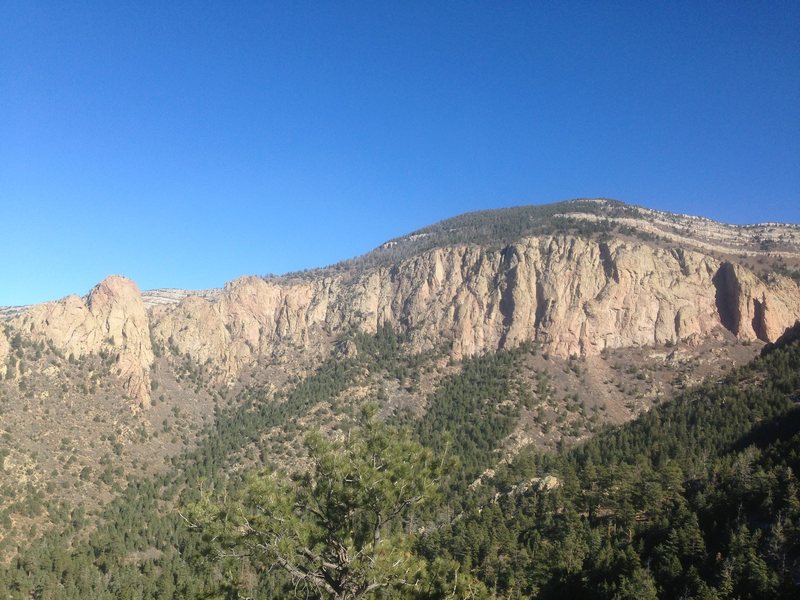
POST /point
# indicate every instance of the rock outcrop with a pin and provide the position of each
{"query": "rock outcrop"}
(571, 294)
(111, 318)
(752, 309)
(790, 336)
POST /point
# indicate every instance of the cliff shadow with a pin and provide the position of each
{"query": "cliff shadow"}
(727, 297)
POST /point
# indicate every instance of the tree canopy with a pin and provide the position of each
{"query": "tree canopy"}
(343, 530)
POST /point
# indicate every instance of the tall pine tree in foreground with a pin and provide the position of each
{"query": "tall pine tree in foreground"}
(344, 530)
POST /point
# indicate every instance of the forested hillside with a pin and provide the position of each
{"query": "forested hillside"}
(497, 228)
(696, 498)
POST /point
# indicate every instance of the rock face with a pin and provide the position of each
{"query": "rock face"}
(572, 294)
(112, 318)
(752, 309)
(790, 336)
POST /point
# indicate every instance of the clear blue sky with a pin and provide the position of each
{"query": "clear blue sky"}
(184, 144)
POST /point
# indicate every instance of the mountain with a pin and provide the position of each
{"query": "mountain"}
(505, 332)
(576, 278)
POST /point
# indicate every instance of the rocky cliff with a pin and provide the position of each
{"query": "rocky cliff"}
(574, 294)
(110, 318)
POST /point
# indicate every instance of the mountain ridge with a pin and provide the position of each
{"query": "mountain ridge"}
(537, 343)
(561, 208)
(599, 274)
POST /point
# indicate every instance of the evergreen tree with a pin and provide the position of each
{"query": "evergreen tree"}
(345, 529)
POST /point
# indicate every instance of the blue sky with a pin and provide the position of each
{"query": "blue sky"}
(184, 144)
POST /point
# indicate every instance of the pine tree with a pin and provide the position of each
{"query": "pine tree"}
(343, 530)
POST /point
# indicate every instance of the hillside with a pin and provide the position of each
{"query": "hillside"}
(592, 217)
(529, 329)
(697, 497)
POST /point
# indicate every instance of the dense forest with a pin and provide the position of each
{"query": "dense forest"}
(697, 498)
